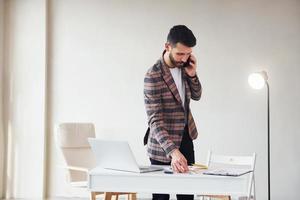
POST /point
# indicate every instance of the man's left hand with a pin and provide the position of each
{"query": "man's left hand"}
(191, 69)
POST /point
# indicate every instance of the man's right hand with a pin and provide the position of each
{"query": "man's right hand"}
(179, 163)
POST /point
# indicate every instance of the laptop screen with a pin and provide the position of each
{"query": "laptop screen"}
(115, 155)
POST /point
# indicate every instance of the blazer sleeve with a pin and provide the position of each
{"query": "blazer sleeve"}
(195, 86)
(153, 103)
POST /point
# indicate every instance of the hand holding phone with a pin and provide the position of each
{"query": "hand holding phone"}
(188, 62)
(190, 66)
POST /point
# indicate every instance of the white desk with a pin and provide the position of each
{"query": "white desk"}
(159, 182)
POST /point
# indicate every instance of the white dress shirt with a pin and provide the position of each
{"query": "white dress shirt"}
(177, 77)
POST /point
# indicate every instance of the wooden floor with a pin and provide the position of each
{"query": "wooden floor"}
(99, 198)
(59, 198)
(147, 197)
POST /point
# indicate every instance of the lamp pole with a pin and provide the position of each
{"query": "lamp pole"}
(268, 110)
(257, 80)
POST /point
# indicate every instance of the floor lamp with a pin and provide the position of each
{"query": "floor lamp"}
(257, 81)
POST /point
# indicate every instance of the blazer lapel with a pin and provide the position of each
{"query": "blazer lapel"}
(167, 76)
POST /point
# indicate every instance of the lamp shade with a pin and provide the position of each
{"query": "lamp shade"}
(257, 80)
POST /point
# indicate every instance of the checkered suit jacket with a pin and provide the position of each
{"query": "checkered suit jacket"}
(166, 115)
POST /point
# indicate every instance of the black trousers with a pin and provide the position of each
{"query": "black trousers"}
(187, 149)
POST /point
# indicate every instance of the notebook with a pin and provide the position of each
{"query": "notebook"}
(117, 155)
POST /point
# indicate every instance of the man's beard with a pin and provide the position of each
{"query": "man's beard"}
(174, 62)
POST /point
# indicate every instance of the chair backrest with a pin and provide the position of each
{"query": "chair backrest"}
(240, 161)
(248, 162)
(72, 139)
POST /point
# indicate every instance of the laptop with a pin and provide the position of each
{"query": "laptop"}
(117, 155)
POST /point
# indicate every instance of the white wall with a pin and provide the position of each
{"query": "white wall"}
(1, 88)
(24, 101)
(100, 51)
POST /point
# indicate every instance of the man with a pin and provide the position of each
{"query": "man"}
(168, 87)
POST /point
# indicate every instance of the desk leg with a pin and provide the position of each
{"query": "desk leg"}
(93, 196)
(132, 196)
(107, 196)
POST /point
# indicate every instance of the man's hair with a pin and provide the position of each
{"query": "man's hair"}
(181, 34)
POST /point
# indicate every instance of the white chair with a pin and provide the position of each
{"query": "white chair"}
(248, 162)
(72, 139)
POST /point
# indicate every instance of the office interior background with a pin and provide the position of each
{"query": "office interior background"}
(84, 61)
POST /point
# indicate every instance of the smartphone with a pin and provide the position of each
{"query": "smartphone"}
(168, 170)
(187, 63)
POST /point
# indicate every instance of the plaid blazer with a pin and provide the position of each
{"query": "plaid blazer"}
(166, 115)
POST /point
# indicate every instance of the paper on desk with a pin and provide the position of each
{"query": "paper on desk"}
(227, 172)
(195, 170)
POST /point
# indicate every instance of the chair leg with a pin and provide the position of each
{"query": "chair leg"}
(254, 195)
